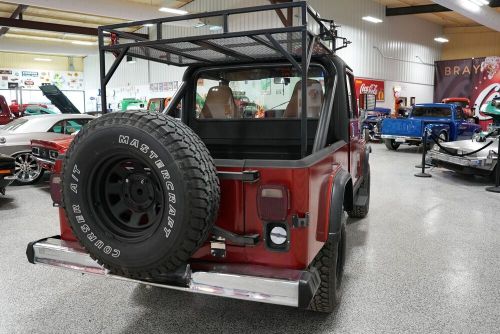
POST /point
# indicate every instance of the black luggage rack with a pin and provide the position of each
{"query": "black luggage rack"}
(303, 35)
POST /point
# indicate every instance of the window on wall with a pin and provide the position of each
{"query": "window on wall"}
(258, 93)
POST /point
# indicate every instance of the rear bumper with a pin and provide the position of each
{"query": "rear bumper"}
(402, 139)
(467, 165)
(247, 282)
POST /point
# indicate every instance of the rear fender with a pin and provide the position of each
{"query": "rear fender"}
(339, 198)
(437, 129)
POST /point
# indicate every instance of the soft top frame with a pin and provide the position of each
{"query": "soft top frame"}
(296, 42)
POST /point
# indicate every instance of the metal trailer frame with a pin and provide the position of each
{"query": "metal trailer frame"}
(311, 43)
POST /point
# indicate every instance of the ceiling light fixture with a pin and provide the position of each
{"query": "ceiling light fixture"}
(148, 25)
(199, 25)
(215, 28)
(172, 11)
(82, 43)
(42, 59)
(372, 19)
(441, 40)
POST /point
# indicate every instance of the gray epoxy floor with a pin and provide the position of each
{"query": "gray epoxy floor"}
(426, 260)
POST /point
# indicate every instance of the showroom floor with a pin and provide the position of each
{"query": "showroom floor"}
(425, 260)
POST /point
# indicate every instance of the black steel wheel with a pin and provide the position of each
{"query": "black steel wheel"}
(127, 197)
(141, 192)
(27, 170)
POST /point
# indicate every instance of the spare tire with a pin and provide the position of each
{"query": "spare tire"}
(141, 192)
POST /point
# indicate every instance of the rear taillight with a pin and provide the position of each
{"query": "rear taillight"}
(273, 203)
(55, 189)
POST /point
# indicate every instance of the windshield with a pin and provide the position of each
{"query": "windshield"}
(258, 93)
(431, 112)
(15, 125)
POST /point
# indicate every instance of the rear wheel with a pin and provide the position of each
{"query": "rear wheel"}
(27, 170)
(330, 264)
(141, 192)
(391, 144)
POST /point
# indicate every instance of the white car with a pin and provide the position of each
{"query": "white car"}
(15, 139)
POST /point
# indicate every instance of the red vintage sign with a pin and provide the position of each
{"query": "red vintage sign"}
(367, 86)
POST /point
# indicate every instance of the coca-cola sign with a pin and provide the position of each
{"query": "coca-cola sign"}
(367, 86)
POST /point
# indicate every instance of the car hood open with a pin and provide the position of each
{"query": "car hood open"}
(58, 99)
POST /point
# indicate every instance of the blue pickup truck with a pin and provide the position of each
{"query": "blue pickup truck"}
(446, 121)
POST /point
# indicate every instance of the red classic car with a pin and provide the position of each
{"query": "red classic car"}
(47, 151)
(18, 109)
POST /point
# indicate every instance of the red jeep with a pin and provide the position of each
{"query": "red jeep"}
(217, 202)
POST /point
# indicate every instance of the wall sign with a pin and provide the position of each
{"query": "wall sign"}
(477, 79)
(368, 86)
(65, 80)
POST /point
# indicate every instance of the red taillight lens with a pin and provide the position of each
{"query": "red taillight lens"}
(272, 202)
(55, 189)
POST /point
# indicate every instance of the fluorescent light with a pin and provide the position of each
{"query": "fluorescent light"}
(213, 28)
(441, 40)
(372, 19)
(480, 2)
(82, 43)
(148, 25)
(199, 25)
(172, 11)
(42, 59)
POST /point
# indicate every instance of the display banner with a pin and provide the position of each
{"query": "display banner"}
(477, 79)
(368, 86)
(64, 80)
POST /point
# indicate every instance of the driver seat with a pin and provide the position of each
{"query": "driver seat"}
(219, 104)
(315, 97)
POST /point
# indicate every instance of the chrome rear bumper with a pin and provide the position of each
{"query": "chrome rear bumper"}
(248, 282)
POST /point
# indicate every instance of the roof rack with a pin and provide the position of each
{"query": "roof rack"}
(192, 40)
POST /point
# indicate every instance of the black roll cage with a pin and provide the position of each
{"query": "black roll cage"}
(317, 37)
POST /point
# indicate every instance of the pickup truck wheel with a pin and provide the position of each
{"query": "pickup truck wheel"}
(360, 211)
(330, 263)
(141, 192)
(391, 144)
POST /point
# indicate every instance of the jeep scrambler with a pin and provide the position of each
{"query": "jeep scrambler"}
(240, 205)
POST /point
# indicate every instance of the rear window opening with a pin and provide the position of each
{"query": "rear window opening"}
(431, 112)
(254, 113)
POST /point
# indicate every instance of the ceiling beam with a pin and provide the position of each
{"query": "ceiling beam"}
(62, 28)
(425, 9)
(18, 12)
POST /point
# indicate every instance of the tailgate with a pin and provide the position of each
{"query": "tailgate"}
(402, 127)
